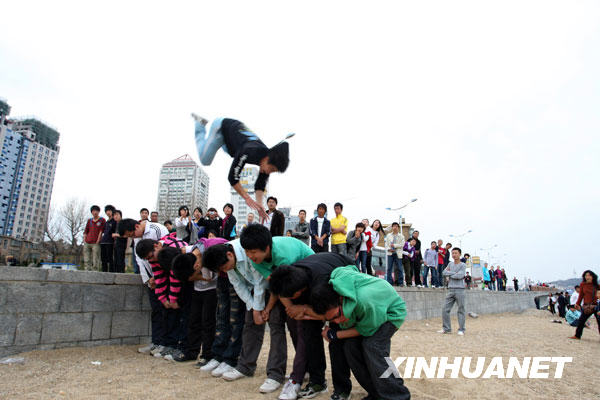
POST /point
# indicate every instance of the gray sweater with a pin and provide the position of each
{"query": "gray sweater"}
(456, 273)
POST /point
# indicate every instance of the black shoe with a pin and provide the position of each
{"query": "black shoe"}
(178, 356)
(339, 396)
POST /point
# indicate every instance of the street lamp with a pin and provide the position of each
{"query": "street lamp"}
(488, 250)
(459, 237)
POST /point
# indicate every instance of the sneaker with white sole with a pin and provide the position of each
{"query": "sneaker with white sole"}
(147, 349)
(221, 369)
(269, 385)
(178, 356)
(233, 375)
(443, 331)
(212, 364)
(165, 351)
(290, 390)
(340, 396)
(460, 333)
(157, 350)
(312, 390)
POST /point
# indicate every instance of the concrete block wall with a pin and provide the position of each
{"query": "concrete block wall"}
(47, 309)
(428, 303)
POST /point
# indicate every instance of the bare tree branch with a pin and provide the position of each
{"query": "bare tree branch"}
(53, 233)
(74, 218)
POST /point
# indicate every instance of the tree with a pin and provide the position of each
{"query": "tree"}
(53, 233)
(74, 217)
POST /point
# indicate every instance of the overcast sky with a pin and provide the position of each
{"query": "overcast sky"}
(488, 114)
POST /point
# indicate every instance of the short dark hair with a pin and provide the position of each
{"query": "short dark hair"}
(185, 208)
(467, 255)
(166, 256)
(118, 212)
(304, 211)
(576, 286)
(227, 205)
(323, 298)
(289, 231)
(359, 225)
(144, 248)
(126, 225)
(167, 222)
(323, 206)
(183, 266)
(199, 210)
(396, 224)
(279, 156)
(434, 242)
(256, 236)
(213, 232)
(212, 209)
(338, 204)
(94, 208)
(415, 231)
(144, 209)
(154, 212)
(272, 198)
(216, 256)
(449, 244)
(109, 208)
(287, 280)
(458, 249)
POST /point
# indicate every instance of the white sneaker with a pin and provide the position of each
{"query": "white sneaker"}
(289, 391)
(212, 364)
(443, 331)
(157, 350)
(221, 369)
(460, 333)
(147, 349)
(269, 386)
(233, 375)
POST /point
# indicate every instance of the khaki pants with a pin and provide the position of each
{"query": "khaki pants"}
(91, 256)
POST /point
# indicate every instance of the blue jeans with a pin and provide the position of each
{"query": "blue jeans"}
(208, 146)
(440, 269)
(361, 261)
(434, 276)
(230, 322)
(394, 265)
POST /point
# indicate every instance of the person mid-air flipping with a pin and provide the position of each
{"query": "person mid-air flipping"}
(246, 148)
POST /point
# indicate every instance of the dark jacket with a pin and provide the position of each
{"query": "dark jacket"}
(212, 225)
(314, 231)
(229, 227)
(277, 223)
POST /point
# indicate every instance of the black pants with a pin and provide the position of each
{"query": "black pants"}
(582, 320)
(315, 351)
(416, 270)
(202, 323)
(157, 318)
(369, 260)
(119, 261)
(340, 369)
(107, 257)
(319, 249)
(366, 357)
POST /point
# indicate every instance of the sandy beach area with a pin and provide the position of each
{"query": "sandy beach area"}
(126, 374)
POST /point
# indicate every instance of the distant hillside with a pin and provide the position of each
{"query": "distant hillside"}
(567, 284)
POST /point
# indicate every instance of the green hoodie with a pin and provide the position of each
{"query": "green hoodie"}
(285, 251)
(368, 302)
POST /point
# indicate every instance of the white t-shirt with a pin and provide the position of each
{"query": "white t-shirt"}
(267, 222)
(320, 222)
(574, 298)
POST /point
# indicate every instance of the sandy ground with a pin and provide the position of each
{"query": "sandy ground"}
(126, 374)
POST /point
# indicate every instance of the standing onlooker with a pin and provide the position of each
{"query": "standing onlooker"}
(418, 258)
(431, 263)
(144, 213)
(365, 249)
(468, 280)
(249, 221)
(302, 229)
(183, 224)
(91, 239)
(516, 284)
(504, 279)
(154, 216)
(456, 293)
(339, 226)
(493, 278)
(107, 243)
(120, 245)
(169, 225)
(143, 217)
(394, 244)
(212, 223)
(320, 229)
(486, 276)
(575, 295)
(197, 226)
(499, 279)
(408, 256)
(441, 259)
(354, 240)
(377, 239)
(587, 302)
(562, 305)
(229, 223)
(275, 220)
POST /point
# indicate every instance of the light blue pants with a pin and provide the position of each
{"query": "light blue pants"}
(208, 146)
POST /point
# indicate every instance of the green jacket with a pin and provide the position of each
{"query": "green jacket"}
(368, 302)
(285, 251)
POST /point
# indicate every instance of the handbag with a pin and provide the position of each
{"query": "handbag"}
(588, 309)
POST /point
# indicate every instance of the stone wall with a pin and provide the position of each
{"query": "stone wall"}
(47, 309)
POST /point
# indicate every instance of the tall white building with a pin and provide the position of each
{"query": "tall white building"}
(182, 182)
(248, 178)
(27, 168)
